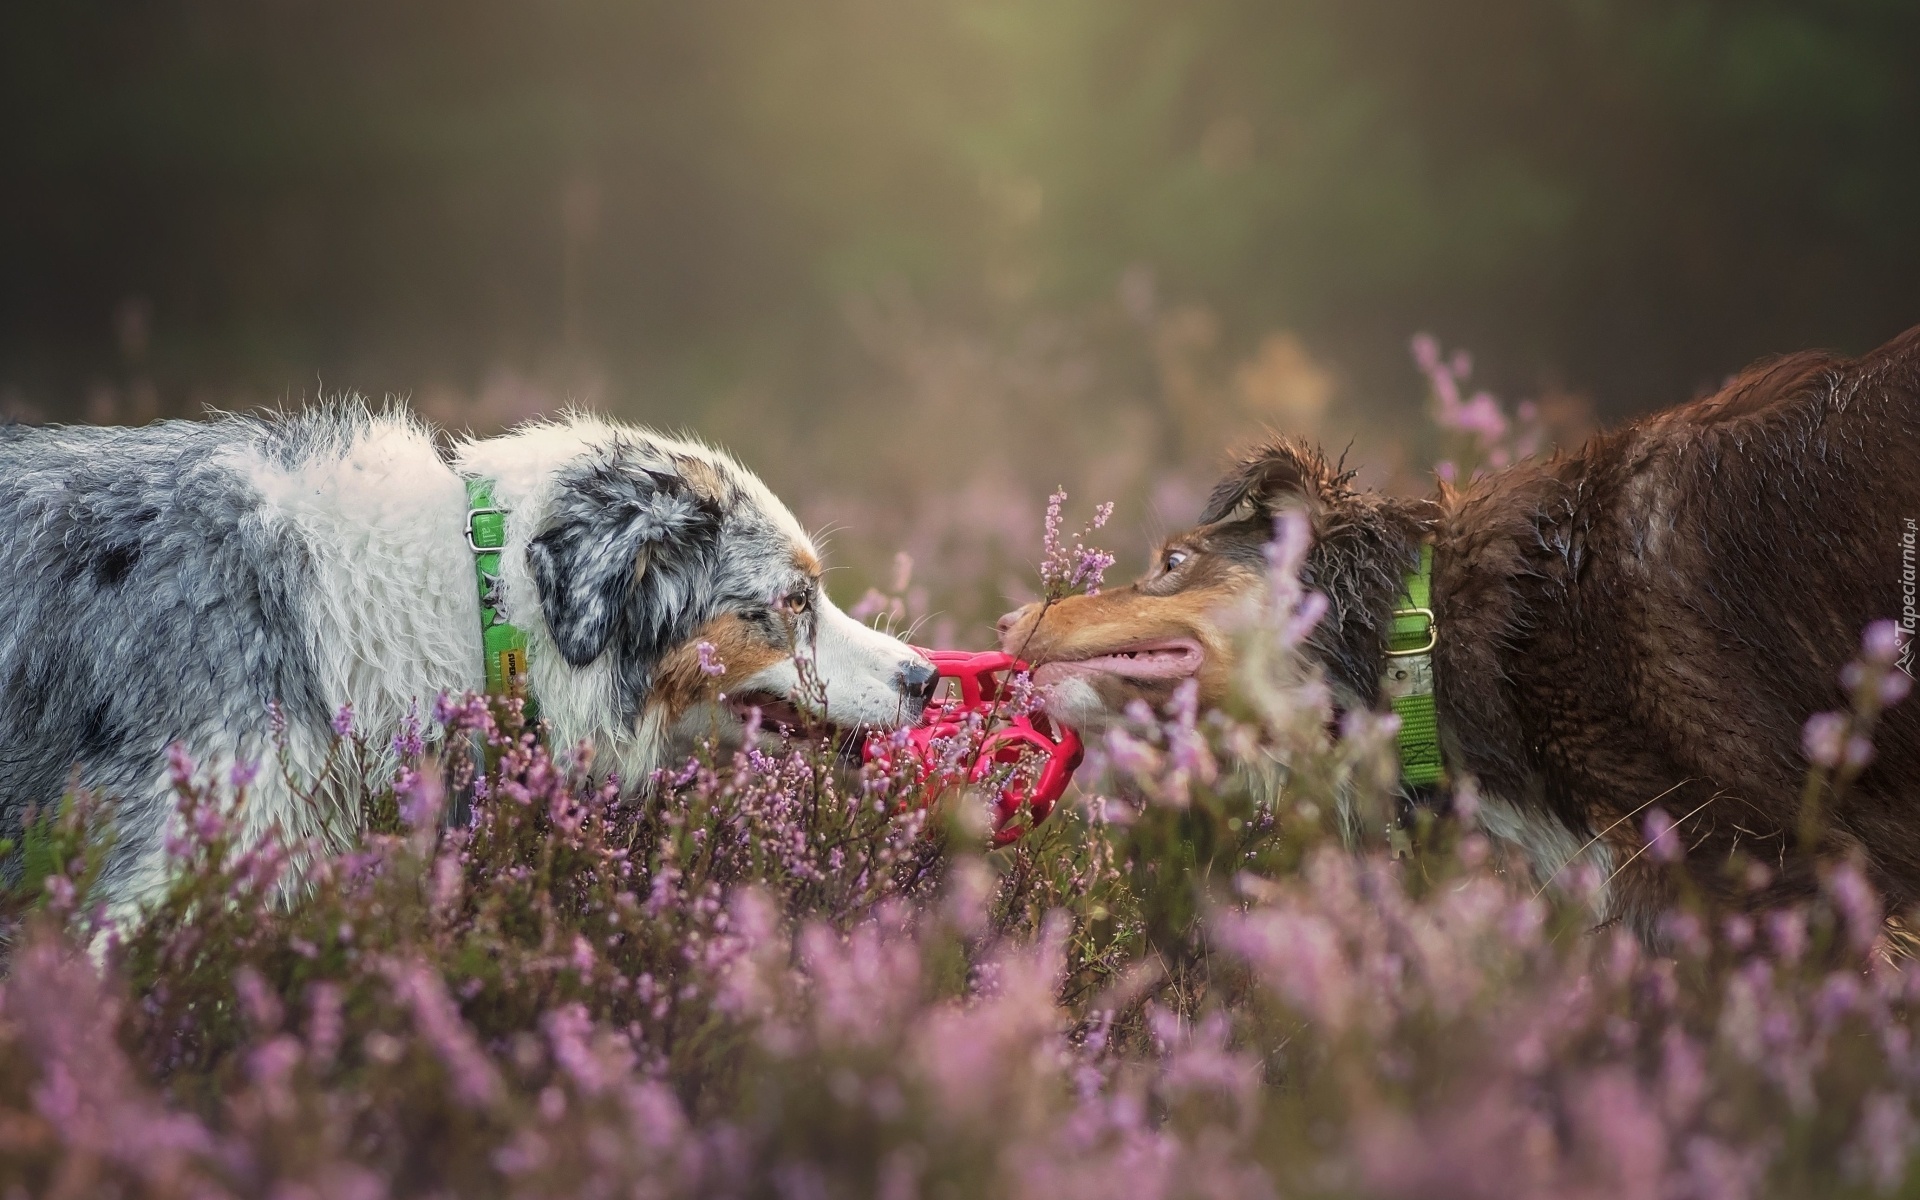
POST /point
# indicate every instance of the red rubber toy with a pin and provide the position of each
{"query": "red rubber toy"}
(983, 690)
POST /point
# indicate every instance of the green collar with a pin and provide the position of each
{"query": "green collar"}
(505, 643)
(1408, 681)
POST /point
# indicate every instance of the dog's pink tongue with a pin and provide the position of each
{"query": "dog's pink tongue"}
(1170, 660)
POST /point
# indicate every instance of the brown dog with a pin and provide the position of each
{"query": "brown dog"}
(1654, 615)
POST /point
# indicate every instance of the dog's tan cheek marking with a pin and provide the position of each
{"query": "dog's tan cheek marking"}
(806, 562)
(680, 683)
(1199, 610)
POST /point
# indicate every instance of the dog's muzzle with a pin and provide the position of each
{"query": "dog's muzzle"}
(918, 681)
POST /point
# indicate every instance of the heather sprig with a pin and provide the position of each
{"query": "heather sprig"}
(1482, 434)
(1839, 745)
(1068, 566)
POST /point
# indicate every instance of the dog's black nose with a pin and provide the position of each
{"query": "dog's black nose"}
(919, 681)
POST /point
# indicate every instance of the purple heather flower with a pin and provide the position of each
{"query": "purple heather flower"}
(1683, 1075)
(408, 742)
(1299, 954)
(1063, 568)
(1894, 687)
(1426, 352)
(1880, 643)
(1685, 932)
(243, 772)
(1292, 536)
(596, 1062)
(1050, 535)
(1857, 902)
(1305, 618)
(343, 721)
(710, 663)
(1498, 439)
(1824, 738)
(1663, 837)
(270, 1066)
(448, 883)
(524, 1153)
(1884, 1144)
(1859, 752)
(1787, 931)
(476, 1082)
(180, 766)
(1129, 756)
(865, 609)
(1480, 416)
(1716, 1171)
(257, 1000)
(1624, 1129)
(1838, 998)
(61, 1019)
(421, 797)
(1090, 569)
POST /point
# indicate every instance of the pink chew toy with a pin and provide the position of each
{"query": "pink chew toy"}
(983, 691)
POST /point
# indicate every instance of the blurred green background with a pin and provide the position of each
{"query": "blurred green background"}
(920, 260)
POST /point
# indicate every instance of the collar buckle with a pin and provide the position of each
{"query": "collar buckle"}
(1433, 632)
(474, 514)
(1407, 683)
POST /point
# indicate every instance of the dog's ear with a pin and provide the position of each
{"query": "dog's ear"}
(1278, 474)
(624, 544)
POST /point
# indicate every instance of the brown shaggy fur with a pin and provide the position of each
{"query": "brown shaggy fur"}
(1655, 614)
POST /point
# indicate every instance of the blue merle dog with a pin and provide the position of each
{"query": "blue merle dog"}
(172, 584)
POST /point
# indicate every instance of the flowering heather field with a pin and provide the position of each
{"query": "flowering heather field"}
(784, 977)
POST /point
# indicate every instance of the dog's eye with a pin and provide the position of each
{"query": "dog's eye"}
(798, 601)
(1173, 559)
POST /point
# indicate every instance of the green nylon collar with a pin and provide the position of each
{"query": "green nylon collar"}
(1408, 681)
(505, 643)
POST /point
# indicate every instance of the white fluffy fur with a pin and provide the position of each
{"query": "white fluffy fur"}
(395, 618)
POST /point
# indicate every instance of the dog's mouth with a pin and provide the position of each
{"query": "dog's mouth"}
(1169, 658)
(775, 712)
(781, 717)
